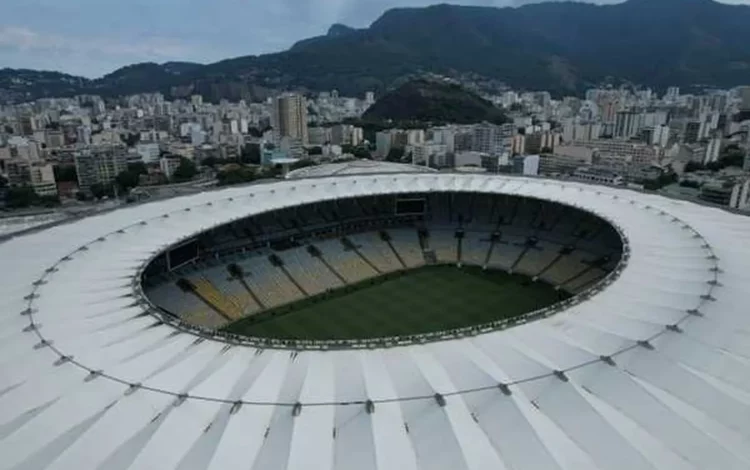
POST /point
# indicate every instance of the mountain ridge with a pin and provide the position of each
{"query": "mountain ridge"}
(563, 47)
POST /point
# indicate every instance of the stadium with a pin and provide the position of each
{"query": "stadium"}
(370, 317)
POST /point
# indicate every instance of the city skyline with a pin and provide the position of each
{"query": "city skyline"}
(97, 38)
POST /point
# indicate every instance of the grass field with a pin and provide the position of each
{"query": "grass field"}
(427, 299)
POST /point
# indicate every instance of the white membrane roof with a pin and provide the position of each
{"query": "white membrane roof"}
(357, 167)
(651, 372)
(11, 225)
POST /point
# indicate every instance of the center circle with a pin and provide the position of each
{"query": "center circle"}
(405, 266)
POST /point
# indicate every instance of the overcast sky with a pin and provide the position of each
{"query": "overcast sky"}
(94, 37)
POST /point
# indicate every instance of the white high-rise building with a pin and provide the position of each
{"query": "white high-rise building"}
(148, 151)
(23, 149)
(319, 135)
(290, 117)
(492, 139)
(709, 122)
(627, 124)
(446, 136)
(656, 118)
(358, 136)
(673, 94)
(509, 98)
(292, 147)
(531, 165)
(197, 136)
(660, 136)
(43, 179)
(712, 151)
(424, 154)
(575, 131)
(524, 121)
(415, 136)
(169, 165)
(84, 135)
(345, 134)
(100, 164)
(383, 143)
(744, 96)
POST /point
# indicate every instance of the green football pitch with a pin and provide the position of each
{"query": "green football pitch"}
(423, 300)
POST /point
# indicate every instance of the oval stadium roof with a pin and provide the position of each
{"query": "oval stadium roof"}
(356, 167)
(650, 372)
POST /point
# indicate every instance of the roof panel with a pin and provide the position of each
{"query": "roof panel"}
(681, 405)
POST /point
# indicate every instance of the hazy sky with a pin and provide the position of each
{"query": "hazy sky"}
(94, 37)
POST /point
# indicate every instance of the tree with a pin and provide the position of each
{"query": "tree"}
(732, 156)
(130, 139)
(66, 173)
(209, 162)
(126, 180)
(3, 182)
(48, 201)
(100, 190)
(690, 184)
(235, 175)
(23, 196)
(139, 168)
(250, 154)
(361, 152)
(271, 171)
(130, 178)
(185, 171)
(315, 150)
(395, 155)
(546, 150)
(664, 179)
(301, 164)
(8, 129)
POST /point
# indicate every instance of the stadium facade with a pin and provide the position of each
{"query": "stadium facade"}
(650, 369)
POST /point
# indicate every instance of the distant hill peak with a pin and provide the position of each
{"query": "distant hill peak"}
(425, 101)
(339, 29)
(669, 2)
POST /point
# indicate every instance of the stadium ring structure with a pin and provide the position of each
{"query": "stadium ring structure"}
(649, 369)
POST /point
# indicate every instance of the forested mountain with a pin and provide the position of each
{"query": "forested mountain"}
(429, 101)
(557, 46)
